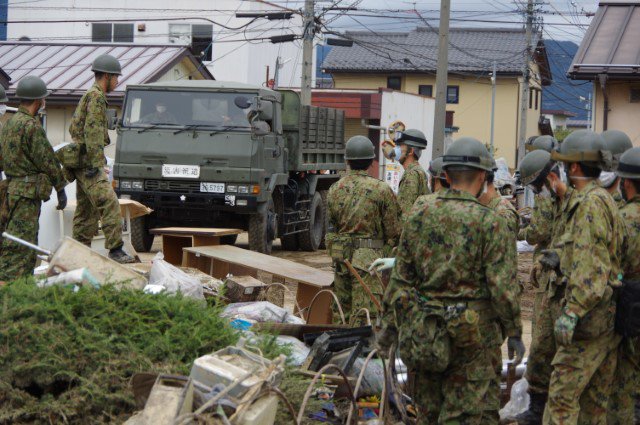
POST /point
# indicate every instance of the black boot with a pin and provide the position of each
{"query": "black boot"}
(118, 255)
(533, 416)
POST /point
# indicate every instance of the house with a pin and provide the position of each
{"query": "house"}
(233, 49)
(66, 69)
(4, 79)
(558, 117)
(609, 55)
(406, 61)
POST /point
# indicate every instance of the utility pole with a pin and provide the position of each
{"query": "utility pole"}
(493, 101)
(441, 79)
(589, 112)
(308, 24)
(524, 95)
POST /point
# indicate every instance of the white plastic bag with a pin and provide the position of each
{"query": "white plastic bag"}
(299, 351)
(260, 311)
(173, 279)
(519, 401)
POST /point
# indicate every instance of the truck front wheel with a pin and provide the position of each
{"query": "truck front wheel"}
(311, 239)
(141, 239)
(262, 229)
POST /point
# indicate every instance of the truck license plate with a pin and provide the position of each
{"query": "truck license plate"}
(212, 187)
(184, 171)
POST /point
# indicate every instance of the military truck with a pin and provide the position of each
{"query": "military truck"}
(223, 154)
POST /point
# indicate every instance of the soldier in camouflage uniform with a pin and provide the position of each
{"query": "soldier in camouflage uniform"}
(437, 179)
(96, 198)
(617, 142)
(540, 173)
(409, 146)
(587, 258)
(445, 307)
(491, 198)
(624, 394)
(363, 223)
(32, 170)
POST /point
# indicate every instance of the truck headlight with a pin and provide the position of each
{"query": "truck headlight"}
(232, 188)
(137, 185)
(243, 189)
(241, 202)
(125, 184)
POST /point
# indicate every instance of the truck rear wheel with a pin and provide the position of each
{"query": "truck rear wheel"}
(310, 239)
(324, 194)
(141, 239)
(262, 229)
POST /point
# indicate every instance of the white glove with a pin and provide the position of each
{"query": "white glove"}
(382, 264)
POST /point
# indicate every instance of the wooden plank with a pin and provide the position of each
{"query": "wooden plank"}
(172, 247)
(280, 267)
(194, 231)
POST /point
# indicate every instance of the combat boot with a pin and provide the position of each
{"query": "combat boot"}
(533, 416)
(118, 255)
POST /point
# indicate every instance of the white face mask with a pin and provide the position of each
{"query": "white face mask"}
(161, 109)
(545, 193)
(3, 109)
(562, 174)
(607, 178)
(397, 153)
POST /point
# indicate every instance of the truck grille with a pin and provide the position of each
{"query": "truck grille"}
(172, 186)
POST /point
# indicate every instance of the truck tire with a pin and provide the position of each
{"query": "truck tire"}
(310, 239)
(141, 239)
(324, 194)
(289, 242)
(262, 229)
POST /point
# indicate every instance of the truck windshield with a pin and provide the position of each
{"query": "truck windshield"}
(172, 109)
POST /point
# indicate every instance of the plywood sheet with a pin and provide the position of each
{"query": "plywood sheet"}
(194, 231)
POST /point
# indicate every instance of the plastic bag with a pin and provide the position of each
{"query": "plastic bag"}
(518, 402)
(299, 351)
(173, 279)
(260, 311)
(502, 176)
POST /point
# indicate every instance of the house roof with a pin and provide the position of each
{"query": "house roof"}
(66, 68)
(470, 50)
(610, 45)
(578, 123)
(5, 79)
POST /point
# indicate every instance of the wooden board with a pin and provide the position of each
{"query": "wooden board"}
(194, 231)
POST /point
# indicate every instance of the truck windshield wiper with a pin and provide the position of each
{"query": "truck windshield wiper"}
(228, 127)
(152, 126)
(192, 126)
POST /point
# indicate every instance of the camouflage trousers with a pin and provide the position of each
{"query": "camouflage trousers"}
(16, 260)
(96, 202)
(352, 296)
(468, 392)
(626, 383)
(581, 381)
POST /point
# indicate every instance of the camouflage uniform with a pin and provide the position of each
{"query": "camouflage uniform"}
(32, 170)
(619, 200)
(364, 215)
(96, 199)
(412, 184)
(506, 210)
(448, 240)
(583, 370)
(627, 378)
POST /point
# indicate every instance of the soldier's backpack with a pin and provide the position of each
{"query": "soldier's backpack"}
(628, 309)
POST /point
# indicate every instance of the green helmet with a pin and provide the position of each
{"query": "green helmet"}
(412, 137)
(617, 142)
(467, 152)
(31, 88)
(3, 95)
(583, 146)
(547, 143)
(629, 164)
(107, 64)
(359, 147)
(435, 167)
(535, 166)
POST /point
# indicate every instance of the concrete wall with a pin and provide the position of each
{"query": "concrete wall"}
(236, 57)
(623, 115)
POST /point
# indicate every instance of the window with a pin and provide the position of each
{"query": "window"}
(453, 94)
(425, 90)
(634, 95)
(108, 33)
(199, 37)
(394, 83)
(536, 104)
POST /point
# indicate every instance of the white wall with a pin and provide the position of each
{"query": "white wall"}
(234, 58)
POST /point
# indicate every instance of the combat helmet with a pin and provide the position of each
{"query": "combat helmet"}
(107, 64)
(359, 147)
(3, 95)
(629, 164)
(617, 142)
(535, 167)
(584, 146)
(435, 167)
(31, 88)
(547, 143)
(467, 152)
(412, 138)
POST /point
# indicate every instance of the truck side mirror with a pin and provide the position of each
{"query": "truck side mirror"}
(260, 128)
(242, 102)
(112, 119)
(265, 110)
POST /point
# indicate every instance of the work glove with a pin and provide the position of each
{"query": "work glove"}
(91, 172)
(515, 346)
(536, 270)
(382, 264)
(565, 326)
(550, 260)
(62, 199)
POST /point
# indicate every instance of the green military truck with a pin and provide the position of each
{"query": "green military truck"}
(220, 154)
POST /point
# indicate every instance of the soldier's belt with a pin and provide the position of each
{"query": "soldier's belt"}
(368, 243)
(460, 305)
(33, 178)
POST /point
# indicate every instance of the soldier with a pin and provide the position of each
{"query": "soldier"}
(363, 214)
(627, 377)
(409, 146)
(539, 172)
(96, 198)
(445, 305)
(32, 170)
(587, 255)
(491, 198)
(437, 181)
(546, 143)
(617, 142)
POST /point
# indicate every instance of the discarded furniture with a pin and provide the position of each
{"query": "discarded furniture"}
(240, 289)
(174, 239)
(170, 398)
(218, 261)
